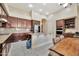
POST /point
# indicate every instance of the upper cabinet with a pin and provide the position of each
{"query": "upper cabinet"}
(28, 24)
(60, 23)
(70, 23)
(19, 23)
(23, 23)
(66, 23)
(14, 22)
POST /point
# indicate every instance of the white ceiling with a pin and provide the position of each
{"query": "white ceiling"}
(49, 7)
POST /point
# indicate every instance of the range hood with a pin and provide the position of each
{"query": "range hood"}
(3, 20)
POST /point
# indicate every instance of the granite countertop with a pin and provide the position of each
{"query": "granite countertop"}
(6, 32)
(3, 37)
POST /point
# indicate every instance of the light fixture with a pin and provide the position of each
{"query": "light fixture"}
(65, 5)
(30, 5)
(3, 20)
(40, 10)
(47, 13)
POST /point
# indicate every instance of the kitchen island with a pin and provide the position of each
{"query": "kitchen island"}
(7, 39)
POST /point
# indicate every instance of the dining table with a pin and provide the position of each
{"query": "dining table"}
(67, 47)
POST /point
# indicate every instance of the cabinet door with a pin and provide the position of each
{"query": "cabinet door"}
(60, 23)
(0, 10)
(28, 24)
(22, 23)
(25, 24)
(13, 22)
(19, 23)
(8, 25)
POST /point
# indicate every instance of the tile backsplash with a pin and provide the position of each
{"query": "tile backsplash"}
(13, 30)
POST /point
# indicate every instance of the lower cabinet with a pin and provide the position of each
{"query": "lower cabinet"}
(6, 48)
(20, 36)
(0, 49)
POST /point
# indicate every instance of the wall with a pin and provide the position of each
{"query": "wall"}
(77, 20)
(51, 26)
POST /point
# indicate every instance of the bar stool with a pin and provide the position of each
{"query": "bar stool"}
(56, 40)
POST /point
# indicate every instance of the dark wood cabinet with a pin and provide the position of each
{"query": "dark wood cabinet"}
(22, 23)
(15, 37)
(25, 24)
(67, 23)
(70, 23)
(28, 24)
(19, 23)
(60, 23)
(13, 22)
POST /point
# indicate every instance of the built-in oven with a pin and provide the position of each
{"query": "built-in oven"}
(59, 31)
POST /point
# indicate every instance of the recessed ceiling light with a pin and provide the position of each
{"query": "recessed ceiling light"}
(47, 13)
(40, 10)
(30, 5)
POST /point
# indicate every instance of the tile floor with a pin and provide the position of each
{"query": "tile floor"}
(19, 48)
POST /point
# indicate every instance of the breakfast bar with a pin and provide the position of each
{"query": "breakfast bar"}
(7, 39)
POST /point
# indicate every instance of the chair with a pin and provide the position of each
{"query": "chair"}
(56, 40)
(61, 37)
